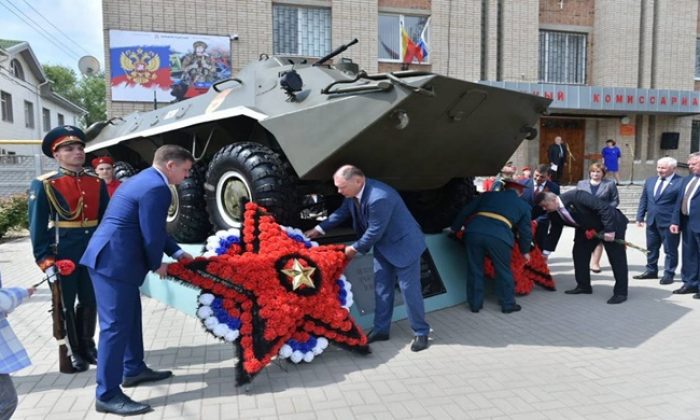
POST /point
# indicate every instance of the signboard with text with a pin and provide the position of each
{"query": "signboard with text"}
(610, 99)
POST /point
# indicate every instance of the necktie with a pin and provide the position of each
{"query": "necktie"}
(688, 193)
(561, 152)
(538, 189)
(566, 216)
(659, 187)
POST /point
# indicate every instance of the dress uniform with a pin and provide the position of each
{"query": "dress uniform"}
(488, 231)
(64, 210)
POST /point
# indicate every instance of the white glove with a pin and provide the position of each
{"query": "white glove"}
(51, 273)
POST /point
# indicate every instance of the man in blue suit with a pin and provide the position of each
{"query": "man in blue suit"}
(128, 243)
(659, 197)
(488, 223)
(384, 223)
(686, 218)
(539, 183)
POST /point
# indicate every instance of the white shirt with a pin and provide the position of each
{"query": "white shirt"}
(179, 252)
(359, 199)
(666, 182)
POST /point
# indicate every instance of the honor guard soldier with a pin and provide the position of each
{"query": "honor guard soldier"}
(65, 207)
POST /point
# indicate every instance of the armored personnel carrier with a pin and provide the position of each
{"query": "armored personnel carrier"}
(277, 131)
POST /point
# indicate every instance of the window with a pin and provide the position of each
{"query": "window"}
(28, 114)
(562, 57)
(403, 38)
(6, 100)
(301, 30)
(695, 137)
(46, 117)
(697, 58)
(61, 120)
(17, 69)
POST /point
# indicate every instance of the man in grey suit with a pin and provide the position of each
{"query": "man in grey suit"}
(383, 222)
(659, 197)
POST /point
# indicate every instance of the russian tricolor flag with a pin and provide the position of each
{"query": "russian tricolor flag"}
(147, 66)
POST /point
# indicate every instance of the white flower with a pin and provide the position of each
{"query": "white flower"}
(322, 342)
(231, 335)
(204, 312)
(317, 350)
(206, 299)
(220, 330)
(309, 357)
(234, 232)
(285, 351)
(211, 322)
(297, 356)
(210, 254)
(222, 234)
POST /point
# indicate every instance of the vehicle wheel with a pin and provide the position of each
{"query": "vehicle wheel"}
(436, 209)
(244, 172)
(187, 219)
(123, 170)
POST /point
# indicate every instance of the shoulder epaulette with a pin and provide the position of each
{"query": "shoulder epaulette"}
(47, 175)
(90, 174)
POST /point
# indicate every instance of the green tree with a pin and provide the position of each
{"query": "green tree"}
(88, 92)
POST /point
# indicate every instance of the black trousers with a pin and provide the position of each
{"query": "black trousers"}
(617, 254)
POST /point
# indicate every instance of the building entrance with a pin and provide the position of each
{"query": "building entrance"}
(573, 134)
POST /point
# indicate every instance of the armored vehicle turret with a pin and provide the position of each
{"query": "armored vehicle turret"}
(277, 131)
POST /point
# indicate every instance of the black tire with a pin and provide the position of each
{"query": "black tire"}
(123, 170)
(188, 220)
(252, 172)
(436, 209)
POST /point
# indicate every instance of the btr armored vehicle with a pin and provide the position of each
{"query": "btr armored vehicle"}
(276, 133)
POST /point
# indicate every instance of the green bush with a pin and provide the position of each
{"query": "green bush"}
(13, 213)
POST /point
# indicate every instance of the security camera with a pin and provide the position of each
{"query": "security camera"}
(234, 37)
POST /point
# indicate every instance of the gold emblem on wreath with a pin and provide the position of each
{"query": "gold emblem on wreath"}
(140, 66)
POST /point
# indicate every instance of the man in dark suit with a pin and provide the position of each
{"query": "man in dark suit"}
(584, 211)
(538, 184)
(686, 219)
(658, 200)
(385, 225)
(488, 223)
(128, 243)
(557, 154)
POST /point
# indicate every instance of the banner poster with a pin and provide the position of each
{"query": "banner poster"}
(173, 66)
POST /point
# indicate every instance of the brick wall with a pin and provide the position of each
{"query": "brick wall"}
(573, 12)
(520, 40)
(616, 43)
(458, 53)
(357, 19)
(675, 64)
(405, 4)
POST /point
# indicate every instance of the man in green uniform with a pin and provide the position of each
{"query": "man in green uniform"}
(65, 207)
(488, 223)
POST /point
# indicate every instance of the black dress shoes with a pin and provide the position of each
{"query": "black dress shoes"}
(420, 342)
(513, 308)
(579, 291)
(666, 279)
(617, 299)
(475, 309)
(147, 375)
(685, 290)
(373, 336)
(646, 275)
(122, 405)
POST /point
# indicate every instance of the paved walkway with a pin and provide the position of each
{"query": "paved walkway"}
(562, 357)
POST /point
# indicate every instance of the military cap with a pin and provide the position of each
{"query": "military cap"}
(102, 159)
(60, 136)
(199, 44)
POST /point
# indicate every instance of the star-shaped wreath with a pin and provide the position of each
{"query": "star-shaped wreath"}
(272, 292)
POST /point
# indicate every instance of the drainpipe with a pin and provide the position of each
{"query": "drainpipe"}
(39, 125)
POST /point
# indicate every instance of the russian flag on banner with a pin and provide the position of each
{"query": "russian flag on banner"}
(422, 42)
(147, 66)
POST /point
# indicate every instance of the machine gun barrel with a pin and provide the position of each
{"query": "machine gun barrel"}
(335, 52)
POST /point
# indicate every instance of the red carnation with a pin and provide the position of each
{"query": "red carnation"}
(591, 233)
(65, 267)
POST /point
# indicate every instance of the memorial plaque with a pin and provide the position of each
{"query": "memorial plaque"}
(360, 273)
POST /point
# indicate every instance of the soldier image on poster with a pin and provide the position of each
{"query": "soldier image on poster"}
(198, 66)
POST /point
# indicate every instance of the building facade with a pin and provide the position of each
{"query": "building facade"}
(616, 69)
(29, 107)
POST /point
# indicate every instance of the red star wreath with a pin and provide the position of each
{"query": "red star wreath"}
(273, 293)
